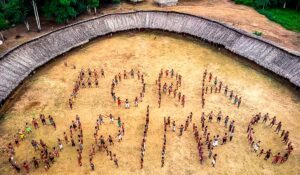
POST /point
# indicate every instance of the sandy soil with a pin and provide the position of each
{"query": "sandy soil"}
(48, 91)
(225, 11)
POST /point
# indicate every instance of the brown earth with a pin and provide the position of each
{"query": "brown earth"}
(226, 11)
(48, 91)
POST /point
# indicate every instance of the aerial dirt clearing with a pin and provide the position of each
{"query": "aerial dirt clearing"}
(48, 91)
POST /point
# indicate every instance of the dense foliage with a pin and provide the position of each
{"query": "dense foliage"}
(283, 12)
(60, 10)
(12, 12)
(291, 4)
(17, 11)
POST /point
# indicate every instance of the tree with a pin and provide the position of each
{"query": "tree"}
(60, 10)
(261, 3)
(284, 4)
(15, 11)
(80, 6)
(3, 22)
(93, 4)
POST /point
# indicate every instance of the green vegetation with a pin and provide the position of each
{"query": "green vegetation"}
(290, 19)
(283, 12)
(3, 22)
(17, 11)
(257, 33)
(94, 4)
(244, 2)
(60, 10)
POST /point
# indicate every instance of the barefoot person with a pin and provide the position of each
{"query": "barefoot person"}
(116, 161)
(214, 160)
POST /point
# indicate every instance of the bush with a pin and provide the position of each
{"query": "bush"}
(257, 33)
(3, 22)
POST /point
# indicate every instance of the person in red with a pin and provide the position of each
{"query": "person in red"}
(167, 73)
(203, 102)
(79, 158)
(277, 158)
(26, 166)
(159, 103)
(204, 74)
(119, 102)
(66, 138)
(210, 77)
(35, 123)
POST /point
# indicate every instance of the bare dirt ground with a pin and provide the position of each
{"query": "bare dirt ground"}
(226, 11)
(48, 91)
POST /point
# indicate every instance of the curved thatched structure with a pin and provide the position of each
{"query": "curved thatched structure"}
(19, 62)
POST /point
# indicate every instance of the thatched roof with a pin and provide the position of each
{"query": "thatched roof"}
(19, 62)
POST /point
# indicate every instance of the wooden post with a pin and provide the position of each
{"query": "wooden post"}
(36, 14)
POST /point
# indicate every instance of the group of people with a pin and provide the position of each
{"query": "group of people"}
(143, 145)
(284, 135)
(120, 124)
(213, 142)
(216, 87)
(163, 151)
(207, 140)
(169, 89)
(75, 128)
(101, 141)
(118, 78)
(28, 129)
(46, 156)
(84, 80)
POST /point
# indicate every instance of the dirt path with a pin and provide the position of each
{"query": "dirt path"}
(241, 17)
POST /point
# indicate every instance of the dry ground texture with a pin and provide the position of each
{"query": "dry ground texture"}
(48, 91)
(226, 11)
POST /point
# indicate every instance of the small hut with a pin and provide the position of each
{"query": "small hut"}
(166, 2)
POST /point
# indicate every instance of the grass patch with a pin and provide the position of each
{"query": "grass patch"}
(289, 19)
